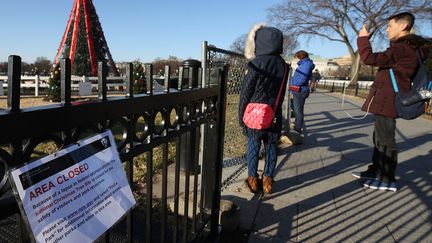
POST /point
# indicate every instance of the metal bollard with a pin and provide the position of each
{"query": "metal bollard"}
(189, 140)
(190, 75)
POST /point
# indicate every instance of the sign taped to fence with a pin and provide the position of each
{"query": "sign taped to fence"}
(76, 194)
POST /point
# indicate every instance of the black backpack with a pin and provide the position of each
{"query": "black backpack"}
(411, 104)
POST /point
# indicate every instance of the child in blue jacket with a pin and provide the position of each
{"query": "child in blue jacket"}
(300, 87)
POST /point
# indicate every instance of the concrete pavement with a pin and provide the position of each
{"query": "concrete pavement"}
(316, 199)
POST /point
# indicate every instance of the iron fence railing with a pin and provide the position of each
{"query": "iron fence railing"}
(237, 67)
(236, 61)
(39, 85)
(146, 127)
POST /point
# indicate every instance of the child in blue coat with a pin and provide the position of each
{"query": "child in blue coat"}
(300, 87)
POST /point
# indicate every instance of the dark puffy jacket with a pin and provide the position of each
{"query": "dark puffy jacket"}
(401, 56)
(303, 74)
(316, 76)
(264, 78)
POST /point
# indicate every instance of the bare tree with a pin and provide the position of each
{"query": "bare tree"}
(26, 69)
(340, 73)
(42, 65)
(239, 44)
(172, 61)
(289, 44)
(340, 20)
(3, 68)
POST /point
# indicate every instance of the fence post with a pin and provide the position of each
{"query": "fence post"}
(167, 79)
(37, 81)
(66, 91)
(14, 83)
(213, 151)
(221, 117)
(65, 83)
(356, 89)
(332, 88)
(180, 79)
(102, 81)
(129, 80)
(149, 78)
(199, 84)
(202, 143)
(286, 112)
(204, 65)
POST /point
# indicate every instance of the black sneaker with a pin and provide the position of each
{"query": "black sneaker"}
(298, 130)
(365, 175)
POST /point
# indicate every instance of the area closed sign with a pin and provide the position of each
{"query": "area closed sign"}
(76, 194)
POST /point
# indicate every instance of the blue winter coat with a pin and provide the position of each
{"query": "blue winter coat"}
(264, 79)
(302, 74)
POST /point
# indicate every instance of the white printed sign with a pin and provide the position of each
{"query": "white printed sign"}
(76, 194)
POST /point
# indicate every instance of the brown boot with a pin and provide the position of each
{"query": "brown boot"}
(253, 183)
(267, 184)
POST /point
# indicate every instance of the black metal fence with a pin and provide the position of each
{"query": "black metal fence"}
(236, 61)
(143, 125)
(236, 141)
(359, 90)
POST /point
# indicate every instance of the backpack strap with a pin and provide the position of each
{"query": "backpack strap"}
(419, 57)
(422, 62)
(392, 76)
(395, 87)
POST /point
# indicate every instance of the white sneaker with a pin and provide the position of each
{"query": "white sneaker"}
(380, 185)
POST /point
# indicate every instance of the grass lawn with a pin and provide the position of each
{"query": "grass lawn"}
(235, 140)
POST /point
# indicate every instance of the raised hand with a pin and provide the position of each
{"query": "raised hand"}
(363, 31)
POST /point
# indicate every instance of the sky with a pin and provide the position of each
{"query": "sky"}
(145, 30)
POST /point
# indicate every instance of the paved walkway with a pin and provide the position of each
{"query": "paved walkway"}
(316, 199)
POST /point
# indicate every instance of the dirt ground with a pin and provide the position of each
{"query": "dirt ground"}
(25, 102)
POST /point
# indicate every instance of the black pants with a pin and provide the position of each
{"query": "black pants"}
(384, 158)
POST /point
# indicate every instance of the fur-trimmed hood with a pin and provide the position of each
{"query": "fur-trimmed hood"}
(416, 42)
(263, 40)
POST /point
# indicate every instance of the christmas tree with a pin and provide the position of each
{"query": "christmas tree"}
(84, 41)
(138, 77)
(54, 84)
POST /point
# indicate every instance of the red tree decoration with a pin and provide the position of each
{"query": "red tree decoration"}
(84, 41)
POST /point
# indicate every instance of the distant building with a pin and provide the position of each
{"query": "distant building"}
(343, 61)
